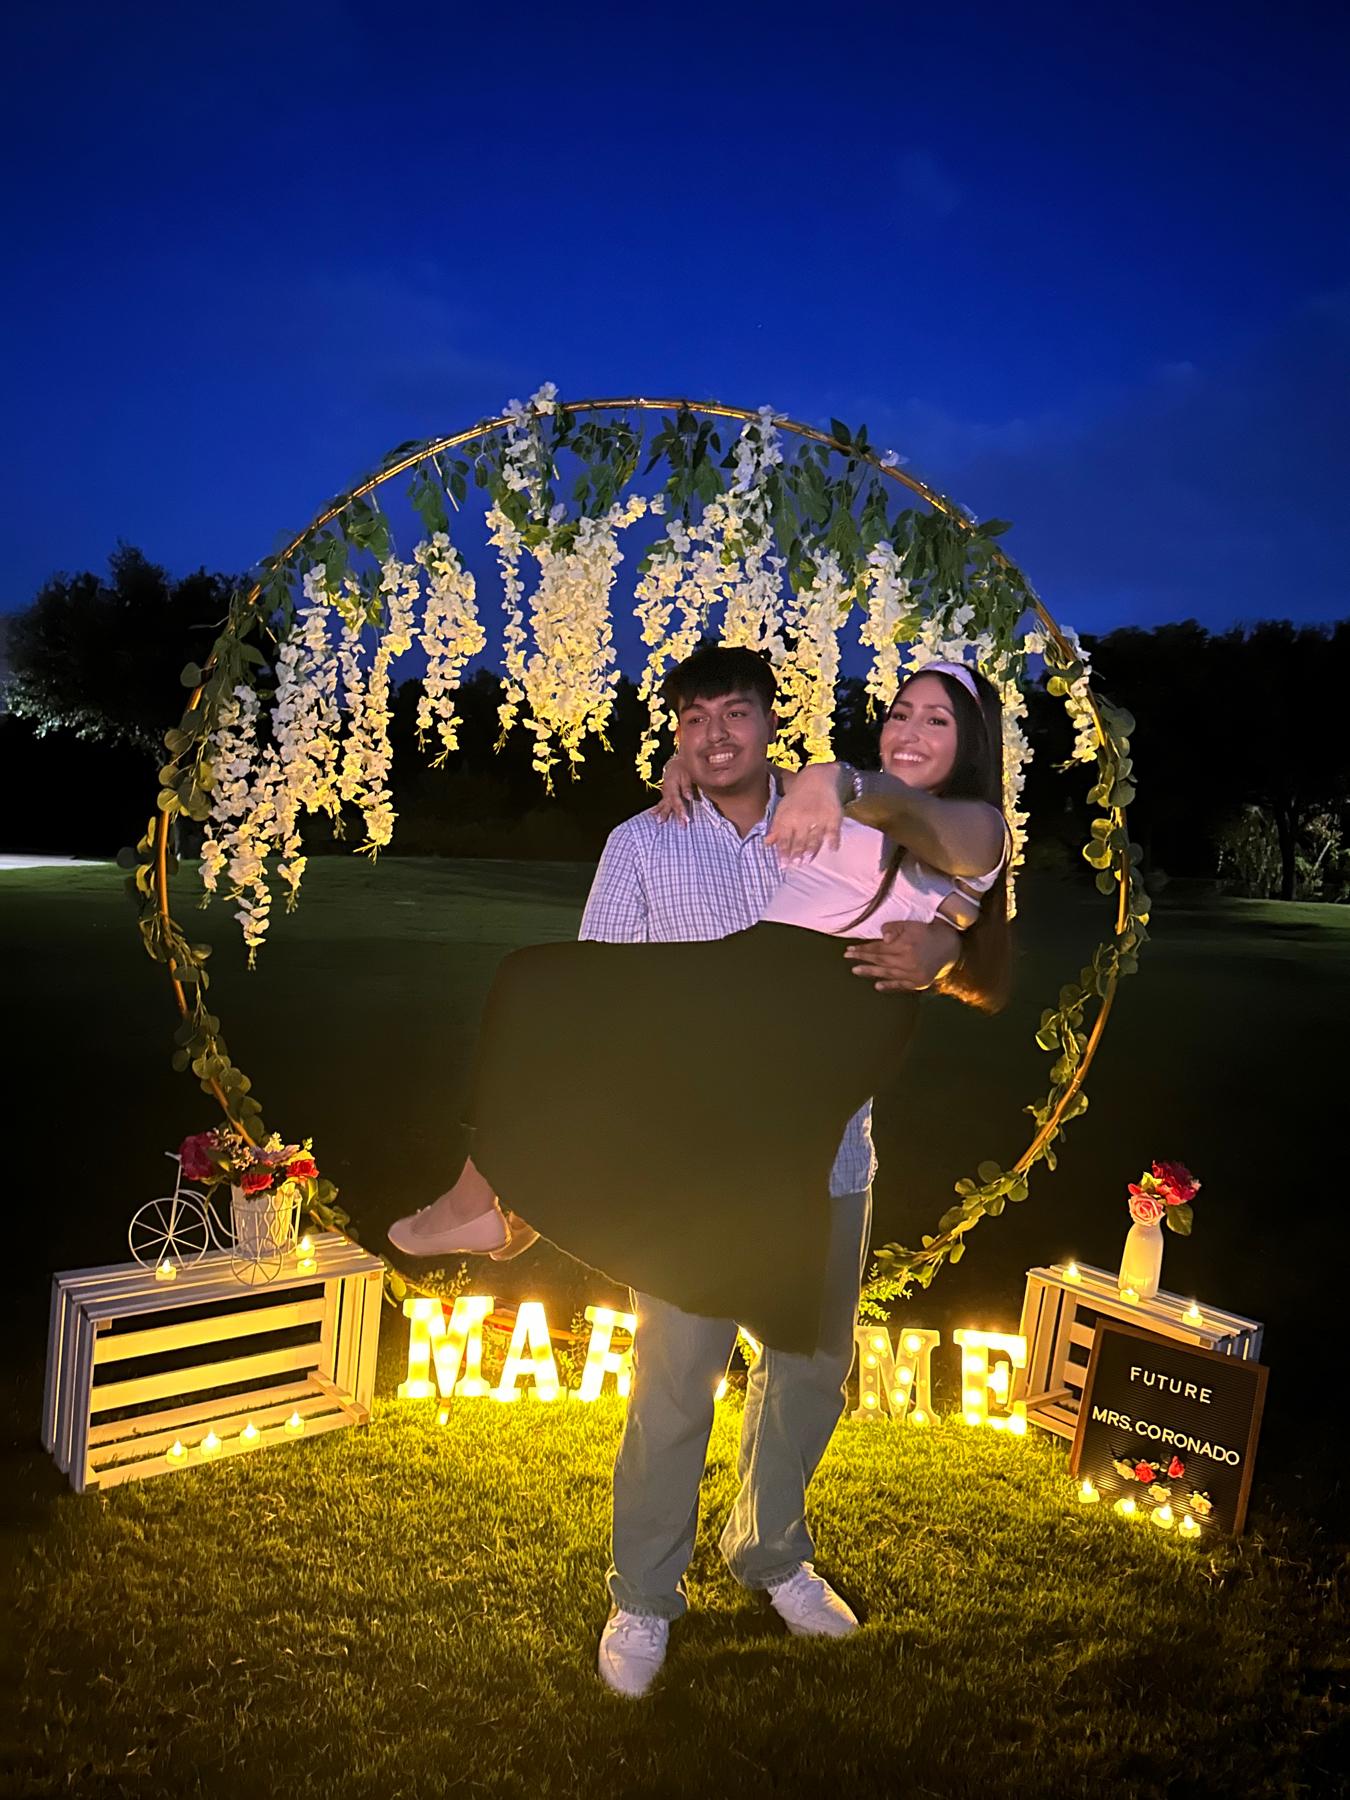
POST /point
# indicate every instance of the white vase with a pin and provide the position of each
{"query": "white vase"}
(1141, 1265)
(264, 1223)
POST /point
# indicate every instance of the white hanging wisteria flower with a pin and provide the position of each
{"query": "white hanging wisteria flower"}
(806, 682)
(570, 675)
(451, 637)
(509, 544)
(241, 830)
(883, 616)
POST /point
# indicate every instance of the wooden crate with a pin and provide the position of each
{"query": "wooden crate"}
(136, 1365)
(1059, 1316)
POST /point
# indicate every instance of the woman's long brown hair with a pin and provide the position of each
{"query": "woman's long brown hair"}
(982, 977)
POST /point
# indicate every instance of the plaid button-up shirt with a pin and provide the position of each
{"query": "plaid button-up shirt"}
(666, 883)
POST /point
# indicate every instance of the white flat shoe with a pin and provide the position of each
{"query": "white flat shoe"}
(480, 1236)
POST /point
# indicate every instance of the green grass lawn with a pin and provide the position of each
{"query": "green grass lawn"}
(407, 1610)
(343, 1617)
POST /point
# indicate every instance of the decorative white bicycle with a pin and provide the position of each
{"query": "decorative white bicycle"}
(176, 1230)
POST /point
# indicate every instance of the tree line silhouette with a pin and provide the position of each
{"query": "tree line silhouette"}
(1242, 759)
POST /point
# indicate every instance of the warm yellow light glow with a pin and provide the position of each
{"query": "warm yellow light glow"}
(918, 1416)
(456, 1347)
(884, 1384)
(250, 1434)
(1087, 1491)
(978, 1378)
(1189, 1527)
(295, 1424)
(1130, 1295)
(602, 1359)
(529, 1356)
(167, 1270)
(1126, 1507)
(443, 1416)
(1072, 1272)
(306, 1246)
(1193, 1315)
(1163, 1516)
(175, 1451)
(305, 1265)
(209, 1444)
(720, 1392)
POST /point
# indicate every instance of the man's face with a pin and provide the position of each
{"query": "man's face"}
(724, 742)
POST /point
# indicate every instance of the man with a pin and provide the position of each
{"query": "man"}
(667, 882)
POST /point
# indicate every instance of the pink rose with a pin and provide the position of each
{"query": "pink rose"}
(1176, 1182)
(194, 1154)
(1147, 1209)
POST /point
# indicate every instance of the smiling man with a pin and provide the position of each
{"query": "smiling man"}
(663, 882)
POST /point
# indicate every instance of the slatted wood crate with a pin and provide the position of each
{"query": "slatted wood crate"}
(141, 1371)
(1059, 1317)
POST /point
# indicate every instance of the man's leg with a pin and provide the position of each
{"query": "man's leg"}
(792, 1406)
(678, 1360)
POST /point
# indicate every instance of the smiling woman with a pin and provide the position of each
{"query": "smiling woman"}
(291, 713)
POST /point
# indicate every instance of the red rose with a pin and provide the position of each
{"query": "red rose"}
(256, 1181)
(1145, 1472)
(1146, 1208)
(1176, 1468)
(193, 1154)
(304, 1168)
(1176, 1182)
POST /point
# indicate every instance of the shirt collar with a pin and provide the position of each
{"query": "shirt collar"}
(718, 819)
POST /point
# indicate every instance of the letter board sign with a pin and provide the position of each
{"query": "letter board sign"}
(1168, 1424)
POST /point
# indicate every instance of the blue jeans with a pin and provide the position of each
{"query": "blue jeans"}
(792, 1406)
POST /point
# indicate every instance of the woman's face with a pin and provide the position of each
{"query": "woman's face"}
(918, 738)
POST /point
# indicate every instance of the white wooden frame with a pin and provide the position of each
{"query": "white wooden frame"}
(1059, 1314)
(124, 1314)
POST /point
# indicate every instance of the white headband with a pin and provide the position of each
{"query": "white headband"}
(957, 671)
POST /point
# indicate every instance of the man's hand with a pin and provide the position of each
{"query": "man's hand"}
(908, 956)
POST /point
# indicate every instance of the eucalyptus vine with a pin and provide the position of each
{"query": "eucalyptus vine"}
(775, 550)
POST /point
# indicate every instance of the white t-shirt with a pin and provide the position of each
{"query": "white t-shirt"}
(834, 887)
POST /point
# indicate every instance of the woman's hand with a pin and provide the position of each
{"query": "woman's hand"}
(809, 816)
(677, 792)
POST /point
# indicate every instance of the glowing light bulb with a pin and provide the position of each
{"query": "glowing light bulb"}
(306, 1246)
(905, 1375)
(878, 1343)
(167, 1270)
(1126, 1507)
(295, 1424)
(998, 1380)
(913, 1343)
(1163, 1516)
(175, 1451)
(897, 1398)
(250, 1434)
(209, 1444)
(443, 1416)
(1189, 1527)
(870, 1361)
(1087, 1492)
(1130, 1295)
(1072, 1272)
(918, 1416)
(869, 1399)
(1016, 1423)
(1193, 1315)
(973, 1417)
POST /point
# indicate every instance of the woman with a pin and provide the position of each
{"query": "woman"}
(760, 1045)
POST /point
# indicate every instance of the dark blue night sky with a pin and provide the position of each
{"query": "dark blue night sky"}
(1087, 268)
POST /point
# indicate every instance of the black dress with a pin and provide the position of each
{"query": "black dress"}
(670, 1113)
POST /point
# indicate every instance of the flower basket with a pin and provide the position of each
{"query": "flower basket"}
(266, 1223)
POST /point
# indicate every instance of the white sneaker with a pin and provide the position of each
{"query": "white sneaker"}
(632, 1650)
(809, 1606)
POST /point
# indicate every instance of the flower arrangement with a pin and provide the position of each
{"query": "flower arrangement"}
(219, 1156)
(1165, 1192)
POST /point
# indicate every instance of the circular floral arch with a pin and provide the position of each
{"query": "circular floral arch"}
(763, 546)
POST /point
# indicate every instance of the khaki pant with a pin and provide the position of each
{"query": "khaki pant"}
(792, 1406)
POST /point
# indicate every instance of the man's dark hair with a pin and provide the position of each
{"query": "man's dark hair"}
(714, 670)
